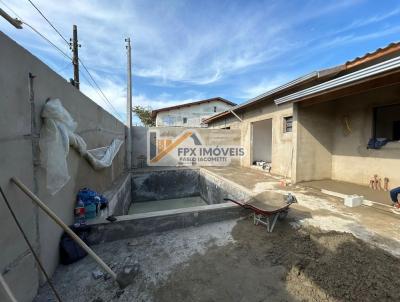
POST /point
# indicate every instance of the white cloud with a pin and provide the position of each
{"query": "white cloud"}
(169, 42)
(178, 43)
(370, 20)
(354, 38)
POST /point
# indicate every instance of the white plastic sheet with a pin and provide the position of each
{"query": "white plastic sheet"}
(57, 134)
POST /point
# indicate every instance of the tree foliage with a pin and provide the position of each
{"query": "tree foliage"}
(144, 115)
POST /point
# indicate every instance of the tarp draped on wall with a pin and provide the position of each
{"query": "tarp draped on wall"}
(57, 134)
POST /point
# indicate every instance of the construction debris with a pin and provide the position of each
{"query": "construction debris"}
(97, 274)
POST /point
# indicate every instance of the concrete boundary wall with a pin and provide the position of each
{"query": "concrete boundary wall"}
(119, 195)
(131, 226)
(211, 137)
(214, 188)
(168, 184)
(19, 156)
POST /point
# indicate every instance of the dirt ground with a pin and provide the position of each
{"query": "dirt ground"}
(289, 265)
(242, 262)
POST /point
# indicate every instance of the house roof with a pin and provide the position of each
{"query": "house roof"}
(301, 80)
(378, 69)
(348, 66)
(370, 56)
(155, 112)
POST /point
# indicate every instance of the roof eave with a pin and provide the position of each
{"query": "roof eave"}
(361, 74)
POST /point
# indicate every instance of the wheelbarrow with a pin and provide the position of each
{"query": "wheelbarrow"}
(268, 207)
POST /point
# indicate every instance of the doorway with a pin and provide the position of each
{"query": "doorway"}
(262, 142)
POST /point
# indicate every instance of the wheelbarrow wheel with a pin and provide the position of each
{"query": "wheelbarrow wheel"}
(282, 215)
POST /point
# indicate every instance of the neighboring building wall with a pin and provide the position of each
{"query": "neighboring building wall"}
(194, 114)
(16, 262)
(230, 121)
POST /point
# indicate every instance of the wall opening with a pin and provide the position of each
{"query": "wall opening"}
(262, 142)
(387, 122)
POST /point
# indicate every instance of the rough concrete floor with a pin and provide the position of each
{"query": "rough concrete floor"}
(349, 189)
(376, 225)
(237, 261)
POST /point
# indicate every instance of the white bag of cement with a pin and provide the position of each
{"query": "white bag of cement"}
(57, 134)
(353, 200)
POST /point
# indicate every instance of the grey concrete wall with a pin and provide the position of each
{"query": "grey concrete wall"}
(95, 125)
(314, 142)
(351, 160)
(282, 149)
(213, 189)
(229, 121)
(211, 137)
(165, 184)
(139, 146)
(327, 150)
(131, 226)
(119, 195)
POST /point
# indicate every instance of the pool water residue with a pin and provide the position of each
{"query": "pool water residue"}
(166, 204)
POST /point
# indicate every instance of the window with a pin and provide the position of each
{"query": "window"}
(215, 108)
(168, 120)
(184, 120)
(387, 122)
(287, 124)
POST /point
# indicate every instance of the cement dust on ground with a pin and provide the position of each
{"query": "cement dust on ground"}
(237, 261)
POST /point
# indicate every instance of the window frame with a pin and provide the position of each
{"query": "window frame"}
(184, 120)
(285, 124)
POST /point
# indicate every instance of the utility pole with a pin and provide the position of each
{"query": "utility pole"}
(129, 105)
(14, 22)
(75, 58)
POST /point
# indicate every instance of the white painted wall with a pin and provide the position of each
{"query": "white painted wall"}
(262, 140)
(193, 113)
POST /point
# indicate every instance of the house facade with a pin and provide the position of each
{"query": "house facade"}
(319, 126)
(190, 114)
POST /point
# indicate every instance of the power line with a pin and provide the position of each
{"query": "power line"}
(47, 40)
(13, 11)
(102, 95)
(62, 37)
(83, 65)
(97, 88)
(103, 98)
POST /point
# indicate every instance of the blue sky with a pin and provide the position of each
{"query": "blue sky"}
(184, 51)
